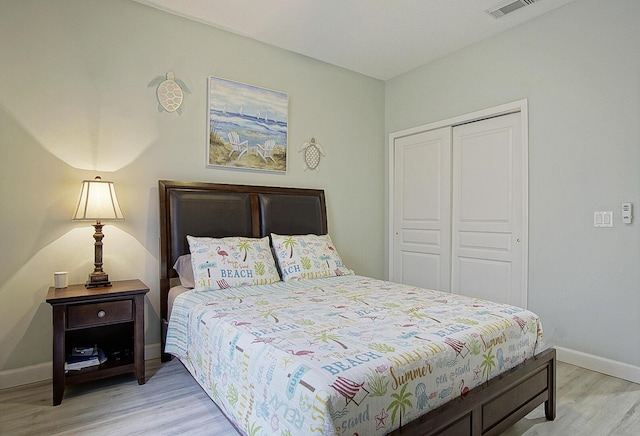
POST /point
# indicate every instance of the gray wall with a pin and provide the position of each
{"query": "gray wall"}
(579, 68)
(74, 103)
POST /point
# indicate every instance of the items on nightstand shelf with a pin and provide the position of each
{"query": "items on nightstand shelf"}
(83, 351)
(84, 357)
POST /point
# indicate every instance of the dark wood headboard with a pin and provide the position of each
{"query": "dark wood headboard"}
(220, 210)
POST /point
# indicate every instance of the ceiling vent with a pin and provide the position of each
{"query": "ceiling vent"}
(507, 7)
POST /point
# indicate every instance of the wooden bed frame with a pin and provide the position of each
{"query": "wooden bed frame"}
(219, 210)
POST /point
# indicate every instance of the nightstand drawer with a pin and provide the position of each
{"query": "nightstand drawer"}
(82, 315)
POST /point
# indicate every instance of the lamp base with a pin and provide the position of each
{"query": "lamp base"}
(90, 285)
(98, 281)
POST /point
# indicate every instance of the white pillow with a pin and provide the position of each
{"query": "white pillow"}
(185, 271)
(220, 263)
(307, 257)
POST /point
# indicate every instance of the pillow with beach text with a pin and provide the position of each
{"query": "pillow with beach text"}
(220, 263)
(307, 257)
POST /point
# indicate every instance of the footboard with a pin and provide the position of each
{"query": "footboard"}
(496, 405)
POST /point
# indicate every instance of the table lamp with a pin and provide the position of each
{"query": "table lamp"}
(98, 202)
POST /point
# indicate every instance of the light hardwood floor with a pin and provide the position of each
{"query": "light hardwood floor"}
(171, 403)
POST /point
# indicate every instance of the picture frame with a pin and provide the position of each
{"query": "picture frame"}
(247, 126)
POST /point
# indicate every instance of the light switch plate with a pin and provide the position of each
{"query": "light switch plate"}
(603, 218)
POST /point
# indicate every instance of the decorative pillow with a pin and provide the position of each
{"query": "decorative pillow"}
(307, 257)
(185, 271)
(231, 262)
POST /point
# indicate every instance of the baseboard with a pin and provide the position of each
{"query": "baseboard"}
(603, 365)
(152, 351)
(23, 376)
(42, 371)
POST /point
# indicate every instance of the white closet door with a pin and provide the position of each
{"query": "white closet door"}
(489, 202)
(422, 203)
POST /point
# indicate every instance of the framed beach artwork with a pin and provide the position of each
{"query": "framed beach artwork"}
(248, 126)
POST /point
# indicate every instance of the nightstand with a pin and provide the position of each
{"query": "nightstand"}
(111, 318)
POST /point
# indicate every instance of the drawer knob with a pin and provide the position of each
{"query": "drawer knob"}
(101, 314)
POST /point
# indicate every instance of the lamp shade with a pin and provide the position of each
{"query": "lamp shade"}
(98, 201)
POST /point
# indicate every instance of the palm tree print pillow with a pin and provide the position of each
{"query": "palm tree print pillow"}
(220, 263)
(307, 257)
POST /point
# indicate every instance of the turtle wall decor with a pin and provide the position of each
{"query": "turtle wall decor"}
(312, 153)
(170, 92)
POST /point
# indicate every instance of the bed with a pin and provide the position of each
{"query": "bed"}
(333, 352)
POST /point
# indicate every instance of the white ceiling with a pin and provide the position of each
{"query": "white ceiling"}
(378, 38)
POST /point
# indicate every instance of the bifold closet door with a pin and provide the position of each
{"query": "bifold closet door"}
(488, 210)
(422, 209)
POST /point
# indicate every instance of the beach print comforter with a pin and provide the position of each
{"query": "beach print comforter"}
(343, 355)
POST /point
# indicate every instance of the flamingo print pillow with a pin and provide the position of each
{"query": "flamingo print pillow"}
(220, 263)
(307, 257)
